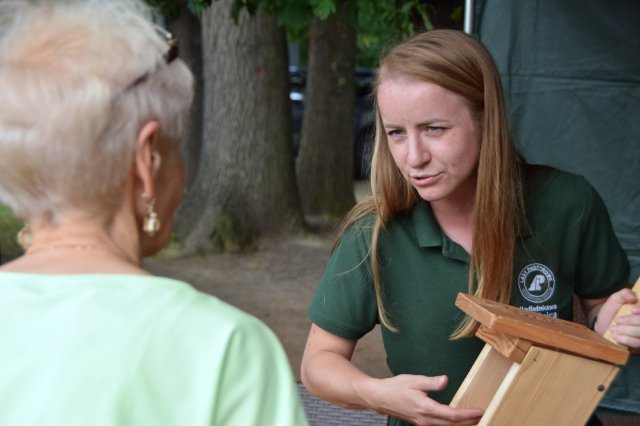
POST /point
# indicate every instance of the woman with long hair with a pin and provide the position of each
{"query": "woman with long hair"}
(453, 209)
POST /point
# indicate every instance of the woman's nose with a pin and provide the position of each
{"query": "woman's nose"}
(417, 152)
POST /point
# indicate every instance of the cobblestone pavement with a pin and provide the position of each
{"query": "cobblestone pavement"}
(322, 413)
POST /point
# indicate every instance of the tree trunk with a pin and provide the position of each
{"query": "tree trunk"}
(325, 162)
(186, 27)
(245, 186)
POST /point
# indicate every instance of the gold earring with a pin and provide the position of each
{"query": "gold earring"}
(24, 236)
(151, 223)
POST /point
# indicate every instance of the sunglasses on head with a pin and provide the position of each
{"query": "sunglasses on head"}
(169, 56)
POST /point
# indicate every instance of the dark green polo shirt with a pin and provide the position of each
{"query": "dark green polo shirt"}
(570, 248)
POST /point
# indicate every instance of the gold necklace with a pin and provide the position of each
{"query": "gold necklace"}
(46, 247)
(120, 254)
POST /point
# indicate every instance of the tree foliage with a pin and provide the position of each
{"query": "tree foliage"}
(381, 23)
(378, 22)
(171, 8)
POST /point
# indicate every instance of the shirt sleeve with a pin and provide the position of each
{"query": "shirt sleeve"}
(603, 264)
(345, 303)
(257, 387)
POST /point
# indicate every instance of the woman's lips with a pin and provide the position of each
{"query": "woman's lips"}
(424, 180)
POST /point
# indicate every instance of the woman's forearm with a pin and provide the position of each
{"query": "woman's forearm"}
(336, 379)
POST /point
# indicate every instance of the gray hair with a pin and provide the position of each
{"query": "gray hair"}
(72, 104)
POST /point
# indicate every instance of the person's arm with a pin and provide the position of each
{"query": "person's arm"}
(256, 385)
(328, 373)
(601, 315)
(602, 267)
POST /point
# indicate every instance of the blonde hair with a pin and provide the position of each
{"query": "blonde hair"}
(70, 111)
(459, 63)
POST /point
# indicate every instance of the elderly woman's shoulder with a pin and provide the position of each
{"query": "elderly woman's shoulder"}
(202, 323)
(170, 310)
(180, 302)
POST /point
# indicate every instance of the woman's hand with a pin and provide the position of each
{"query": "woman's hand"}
(406, 397)
(625, 328)
(328, 373)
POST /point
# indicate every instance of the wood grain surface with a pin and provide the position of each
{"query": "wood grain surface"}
(541, 330)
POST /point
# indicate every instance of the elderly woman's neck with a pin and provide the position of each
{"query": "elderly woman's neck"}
(106, 244)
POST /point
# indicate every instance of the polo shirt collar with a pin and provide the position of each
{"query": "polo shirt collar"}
(429, 234)
(425, 226)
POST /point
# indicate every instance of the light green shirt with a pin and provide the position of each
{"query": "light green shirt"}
(136, 350)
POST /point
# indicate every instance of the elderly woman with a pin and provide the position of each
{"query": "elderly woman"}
(93, 107)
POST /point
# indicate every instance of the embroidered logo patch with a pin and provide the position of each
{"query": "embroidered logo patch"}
(536, 283)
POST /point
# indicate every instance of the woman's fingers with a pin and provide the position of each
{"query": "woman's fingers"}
(408, 398)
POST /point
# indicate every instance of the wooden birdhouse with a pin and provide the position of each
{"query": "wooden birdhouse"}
(535, 370)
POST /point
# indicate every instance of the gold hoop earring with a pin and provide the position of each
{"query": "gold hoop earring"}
(151, 223)
(24, 236)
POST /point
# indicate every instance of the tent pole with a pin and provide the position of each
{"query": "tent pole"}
(468, 16)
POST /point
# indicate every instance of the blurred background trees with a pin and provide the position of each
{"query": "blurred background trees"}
(244, 180)
(246, 177)
(244, 184)
(324, 165)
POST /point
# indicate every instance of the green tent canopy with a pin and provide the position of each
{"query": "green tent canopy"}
(571, 72)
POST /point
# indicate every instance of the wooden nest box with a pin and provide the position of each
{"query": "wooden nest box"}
(535, 370)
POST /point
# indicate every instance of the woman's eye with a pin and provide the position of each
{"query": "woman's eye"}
(434, 129)
(395, 133)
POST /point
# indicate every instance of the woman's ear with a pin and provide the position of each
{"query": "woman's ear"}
(147, 160)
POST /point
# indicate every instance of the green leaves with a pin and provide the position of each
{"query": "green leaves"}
(379, 23)
(323, 8)
(168, 8)
(172, 8)
(197, 7)
(294, 15)
(9, 227)
(419, 8)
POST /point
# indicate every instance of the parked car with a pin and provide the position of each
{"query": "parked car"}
(364, 118)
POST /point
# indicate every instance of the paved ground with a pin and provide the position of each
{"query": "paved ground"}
(321, 413)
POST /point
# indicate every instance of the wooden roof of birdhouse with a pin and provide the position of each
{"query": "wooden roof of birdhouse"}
(510, 326)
